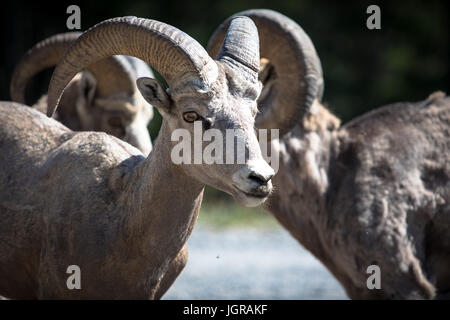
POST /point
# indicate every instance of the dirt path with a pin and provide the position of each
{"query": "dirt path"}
(251, 264)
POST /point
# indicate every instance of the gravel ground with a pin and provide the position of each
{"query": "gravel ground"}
(244, 263)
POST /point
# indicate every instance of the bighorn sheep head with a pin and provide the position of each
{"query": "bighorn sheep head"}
(291, 71)
(104, 98)
(218, 94)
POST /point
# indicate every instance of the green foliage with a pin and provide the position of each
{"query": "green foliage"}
(224, 212)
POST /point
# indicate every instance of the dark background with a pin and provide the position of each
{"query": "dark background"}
(404, 61)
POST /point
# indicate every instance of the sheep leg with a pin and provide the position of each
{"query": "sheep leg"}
(176, 266)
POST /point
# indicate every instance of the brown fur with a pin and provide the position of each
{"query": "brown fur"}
(375, 191)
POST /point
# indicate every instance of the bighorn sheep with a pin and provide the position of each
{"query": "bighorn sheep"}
(90, 199)
(375, 191)
(104, 99)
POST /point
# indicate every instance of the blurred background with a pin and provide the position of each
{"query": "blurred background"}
(243, 253)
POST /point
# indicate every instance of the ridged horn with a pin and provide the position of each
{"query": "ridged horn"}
(240, 47)
(174, 54)
(113, 75)
(296, 66)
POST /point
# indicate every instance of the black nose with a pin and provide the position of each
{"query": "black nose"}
(259, 178)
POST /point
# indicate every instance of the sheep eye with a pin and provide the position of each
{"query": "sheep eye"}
(191, 116)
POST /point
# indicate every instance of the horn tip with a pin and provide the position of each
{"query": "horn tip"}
(51, 108)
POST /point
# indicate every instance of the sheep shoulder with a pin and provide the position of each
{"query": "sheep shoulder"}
(46, 165)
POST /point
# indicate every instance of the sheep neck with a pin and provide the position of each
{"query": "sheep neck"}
(302, 182)
(163, 207)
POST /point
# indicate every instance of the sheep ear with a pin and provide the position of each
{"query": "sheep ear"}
(154, 93)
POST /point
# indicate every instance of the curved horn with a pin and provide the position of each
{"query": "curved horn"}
(113, 75)
(43, 55)
(296, 65)
(175, 55)
(240, 48)
(140, 68)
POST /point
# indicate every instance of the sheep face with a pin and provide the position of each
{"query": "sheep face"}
(222, 118)
(123, 116)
